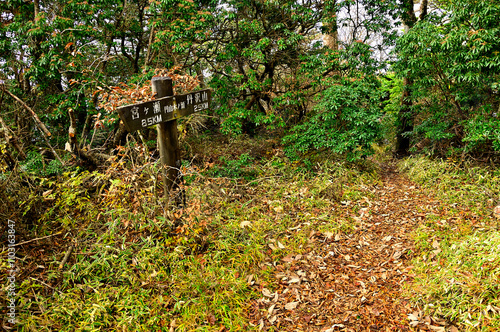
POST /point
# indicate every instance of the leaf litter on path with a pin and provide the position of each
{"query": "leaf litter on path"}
(353, 281)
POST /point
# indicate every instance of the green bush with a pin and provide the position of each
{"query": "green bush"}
(453, 62)
(37, 165)
(346, 121)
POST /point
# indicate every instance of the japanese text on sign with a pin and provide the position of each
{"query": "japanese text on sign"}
(146, 114)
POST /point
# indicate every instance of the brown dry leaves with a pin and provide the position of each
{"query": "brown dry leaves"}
(352, 281)
(123, 94)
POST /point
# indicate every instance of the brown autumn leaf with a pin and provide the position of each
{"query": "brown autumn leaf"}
(266, 292)
(496, 212)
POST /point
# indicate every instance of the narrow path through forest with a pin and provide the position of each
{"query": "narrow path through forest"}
(352, 281)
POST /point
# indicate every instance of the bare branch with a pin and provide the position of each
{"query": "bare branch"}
(46, 133)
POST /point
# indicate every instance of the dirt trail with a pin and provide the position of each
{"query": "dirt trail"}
(351, 281)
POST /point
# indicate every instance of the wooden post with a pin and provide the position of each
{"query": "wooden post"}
(164, 112)
(170, 154)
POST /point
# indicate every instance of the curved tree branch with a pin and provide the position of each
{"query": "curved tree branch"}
(45, 132)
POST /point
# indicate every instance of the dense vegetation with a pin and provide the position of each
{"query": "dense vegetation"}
(308, 98)
(319, 74)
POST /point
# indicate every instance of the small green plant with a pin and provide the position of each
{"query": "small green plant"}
(243, 167)
(36, 164)
(457, 183)
(54, 167)
(461, 282)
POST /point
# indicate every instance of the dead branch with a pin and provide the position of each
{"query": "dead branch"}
(45, 132)
(34, 279)
(7, 131)
(66, 257)
(30, 110)
(73, 142)
(38, 238)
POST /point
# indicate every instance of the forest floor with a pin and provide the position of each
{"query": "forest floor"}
(263, 244)
(355, 281)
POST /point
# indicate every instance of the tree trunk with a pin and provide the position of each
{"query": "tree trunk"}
(331, 37)
(73, 143)
(406, 117)
(120, 133)
(36, 4)
(405, 123)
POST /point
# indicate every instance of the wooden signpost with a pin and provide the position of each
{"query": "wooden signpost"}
(164, 112)
(143, 115)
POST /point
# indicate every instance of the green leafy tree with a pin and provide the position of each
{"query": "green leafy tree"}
(453, 60)
(57, 55)
(347, 118)
(253, 52)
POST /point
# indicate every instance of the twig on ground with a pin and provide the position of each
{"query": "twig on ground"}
(34, 279)
(38, 238)
(66, 257)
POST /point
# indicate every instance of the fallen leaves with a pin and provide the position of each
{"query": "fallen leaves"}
(267, 293)
(417, 319)
(496, 212)
(350, 281)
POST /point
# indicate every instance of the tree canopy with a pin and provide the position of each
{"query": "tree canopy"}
(318, 73)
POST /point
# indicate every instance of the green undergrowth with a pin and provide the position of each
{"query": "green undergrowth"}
(458, 272)
(464, 185)
(138, 263)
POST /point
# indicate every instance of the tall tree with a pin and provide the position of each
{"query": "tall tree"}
(253, 51)
(405, 121)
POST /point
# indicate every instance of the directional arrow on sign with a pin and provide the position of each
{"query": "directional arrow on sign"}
(143, 115)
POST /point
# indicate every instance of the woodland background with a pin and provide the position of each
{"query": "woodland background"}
(295, 85)
(320, 75)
